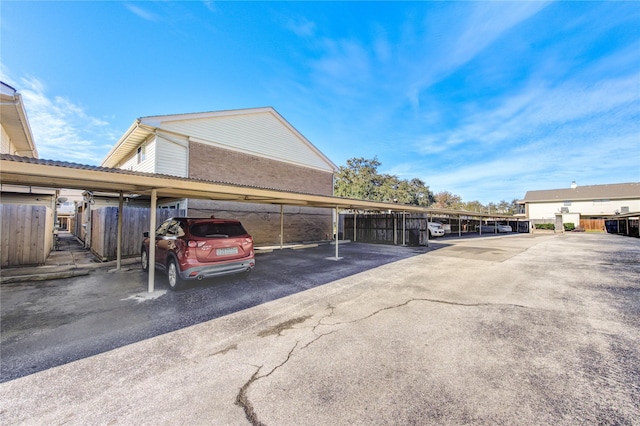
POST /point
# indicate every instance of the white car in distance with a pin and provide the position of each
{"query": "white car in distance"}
(435, 229)
(491, 228)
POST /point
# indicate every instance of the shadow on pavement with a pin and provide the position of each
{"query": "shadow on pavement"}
(49, 323)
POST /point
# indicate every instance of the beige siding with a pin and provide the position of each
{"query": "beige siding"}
(149, 162)
(591, 207)
(171, 156)
(27, 199)
(260, 133)
(6, 143)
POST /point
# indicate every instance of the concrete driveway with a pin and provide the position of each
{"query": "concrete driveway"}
(514, 330)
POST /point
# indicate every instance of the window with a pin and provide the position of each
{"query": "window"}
(220, 230)
(567, 203)
(142, 154)
(175, 229)
(162, 229)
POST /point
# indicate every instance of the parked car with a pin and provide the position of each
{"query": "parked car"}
(435, 229)
(491, 228)
(190, 249)
(504, 228)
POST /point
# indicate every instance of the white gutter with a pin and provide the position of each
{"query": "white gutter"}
(111, 153)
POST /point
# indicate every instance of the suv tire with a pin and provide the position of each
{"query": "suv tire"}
(144, 259)
(173, 275)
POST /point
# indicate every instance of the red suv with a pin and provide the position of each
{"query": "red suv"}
(189, 249)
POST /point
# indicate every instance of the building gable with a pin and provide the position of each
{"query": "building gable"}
(260, 132)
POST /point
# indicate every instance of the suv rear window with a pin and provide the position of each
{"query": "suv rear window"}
(217, 230)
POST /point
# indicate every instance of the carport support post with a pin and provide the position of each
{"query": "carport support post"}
(627, 231)
(355, 219)
(427, 229)
(395, 228)
(281, 226)
(152, 240)
(459, 226)
(119, 241)
(404, 229)
(337, 224)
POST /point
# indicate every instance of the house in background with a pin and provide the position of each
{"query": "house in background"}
(16, 133)
(250, 147)
(27, 213)
(587, 207)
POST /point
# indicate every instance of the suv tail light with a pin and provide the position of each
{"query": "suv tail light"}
(194, 244)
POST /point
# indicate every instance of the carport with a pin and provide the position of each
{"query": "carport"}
(32, 172)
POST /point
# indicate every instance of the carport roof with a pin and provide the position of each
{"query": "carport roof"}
(26, 171)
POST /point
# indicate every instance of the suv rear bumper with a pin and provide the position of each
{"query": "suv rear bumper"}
(216, 270)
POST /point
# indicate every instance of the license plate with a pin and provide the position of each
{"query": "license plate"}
(226, 251)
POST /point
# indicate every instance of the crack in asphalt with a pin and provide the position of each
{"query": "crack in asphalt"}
(242, 400)
(445, 302)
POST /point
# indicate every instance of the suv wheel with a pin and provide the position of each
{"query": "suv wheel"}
(173, 275)
(144, 259)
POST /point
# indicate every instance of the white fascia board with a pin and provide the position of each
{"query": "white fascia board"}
(136, 135)
(157, 120)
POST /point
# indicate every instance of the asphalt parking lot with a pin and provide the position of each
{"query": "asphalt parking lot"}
(522, 329)
(49, 323)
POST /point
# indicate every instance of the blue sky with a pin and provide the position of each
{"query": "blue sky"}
(482, 99)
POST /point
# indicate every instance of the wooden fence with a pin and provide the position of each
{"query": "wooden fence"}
(26, 234)
(386, 229)
(592, 225)
(135, 221)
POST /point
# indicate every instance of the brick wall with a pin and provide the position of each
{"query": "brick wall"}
(213, 163)
(262, 221)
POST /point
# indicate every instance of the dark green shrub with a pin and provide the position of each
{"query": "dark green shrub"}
(569, 226)
(550, 226)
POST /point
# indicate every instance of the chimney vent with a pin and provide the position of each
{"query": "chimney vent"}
(574, 185)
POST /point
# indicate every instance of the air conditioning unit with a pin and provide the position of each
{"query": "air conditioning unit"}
(564, 209)
(624, 209)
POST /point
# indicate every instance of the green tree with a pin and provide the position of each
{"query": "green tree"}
(447, 200)
(360, 179)
(473, 206)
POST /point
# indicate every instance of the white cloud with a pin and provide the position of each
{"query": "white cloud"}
(464, 34)
(302, 27)
(62, 130)
(143, 13)
(211, 6)
(536, 112)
